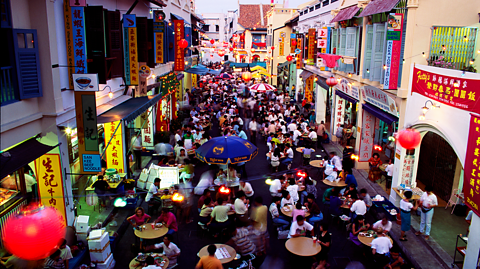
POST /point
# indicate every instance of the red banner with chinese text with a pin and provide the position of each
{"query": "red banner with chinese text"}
(179, 52)
(471, 183)
(114, 151)
(457, 92)
(162, 124)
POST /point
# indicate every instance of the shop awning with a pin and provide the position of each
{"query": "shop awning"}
(21, 155)
(346, 14)
(377, 112)
(322, 82)
(129, 110)
(378, 6)
(305, 74)
(180, 76)
(346, 97)
(176, 17)
(159, 3)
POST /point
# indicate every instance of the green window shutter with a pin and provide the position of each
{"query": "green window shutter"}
(27, 63)
(343, 37)
(368, 52)
(378, 52)
(350, 46)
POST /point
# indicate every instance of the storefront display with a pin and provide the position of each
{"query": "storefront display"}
(10, 187)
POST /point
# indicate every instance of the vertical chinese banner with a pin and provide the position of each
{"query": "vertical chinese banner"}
(86, 115)
(311, 45)
(161, 118)
(114, 152)
(174, 105)
(339, 113)
(78, 33)
(50, 182)
(159, 29)
(366, 142)
(471, 183)
(67, 13)
(293, 47)
(281, 40)
(130, 48)
(194, 80)
(299, 55)
(407, 170)
(309, 88)
(179, 52)
(147, 131)
(393, 51)
(143, 74)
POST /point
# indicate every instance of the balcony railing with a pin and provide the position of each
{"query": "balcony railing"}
(8, 93)
(453, 47)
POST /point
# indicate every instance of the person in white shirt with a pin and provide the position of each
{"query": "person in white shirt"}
(300, 227)
(65, 253)
(296, 136)
(170, 249)
(380, 247)
(292, 127)
(287, 199)
(335, 161)
(253, 126)
(389, 171)
(427, 201)
(246, 188)
(178, 135)
(384, 224)
(288, 156)
(241, 207)
(136, 146)
(276, 218)
(30, 181)
(358, 208)
(276, 187)
(292, 188)
(152, 196)
(312, 135)
(405, 208)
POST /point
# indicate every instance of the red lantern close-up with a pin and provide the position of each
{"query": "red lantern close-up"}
(34, 233)
(273, 47)
(183, 43)
(294, 42)
(289, 58)
(252, 50)
(331, 81)
(408, 138)
(212, 41)
(247, 76)
(230, 49)
(221, 53)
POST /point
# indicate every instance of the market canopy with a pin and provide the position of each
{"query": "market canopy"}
(200, 69)
(251, 65)
(258, 68)
(305, 74)
(21, 155)
(346, 14)
(129, 110)
(378, 6)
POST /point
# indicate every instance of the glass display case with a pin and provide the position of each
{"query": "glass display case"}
(10, 188)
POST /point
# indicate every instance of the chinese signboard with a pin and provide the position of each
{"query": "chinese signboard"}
(130, 49)
(78, 33)
(67, 13)
(179, 52)
(311, 44)
(143, 73)
(92, 162)
(322, 41)
(457, 92)
(407, 170)
(281, 40)
(299, 56)
(350, 90)
(162, 124)
(292, 38)
(50, 182)
(379, 99)
(309, 88)
(86, 115)
(366, 143)
(114, 151)
(147, 131)
(339, 112)
(471, 183)
(85, 82)
(158, 29)
(393, 51)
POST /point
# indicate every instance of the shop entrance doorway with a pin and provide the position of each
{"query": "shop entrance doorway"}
(437, 165)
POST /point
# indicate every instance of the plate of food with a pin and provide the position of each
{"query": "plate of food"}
(286, 208)
(368, 235)
(363, 234)
(141, 257)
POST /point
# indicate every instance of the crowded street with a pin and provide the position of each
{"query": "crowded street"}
(250, 134)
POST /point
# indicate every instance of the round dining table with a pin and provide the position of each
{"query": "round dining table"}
(303, 246)
(150, 233)
(317, 163)
(287, 211)
(134, 264)
(368, 240)
(341, 183)
(231, 251)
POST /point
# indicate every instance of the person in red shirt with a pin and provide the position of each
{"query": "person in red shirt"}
(139, 218)
(206, 193)
(168, 218)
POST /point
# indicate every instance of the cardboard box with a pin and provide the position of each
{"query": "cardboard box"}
(81, 224)
(108, 264)
(100, 257)
(99, 244)
(83, 236)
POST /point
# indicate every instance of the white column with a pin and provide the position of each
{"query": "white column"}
(320, 104)
(473, 247)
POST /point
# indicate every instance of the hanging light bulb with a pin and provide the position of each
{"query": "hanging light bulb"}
(423, 55)
(368, 71)
(68, 131)
(385, 67)
(465, 38)
(349, 75)
(421, 117)
(444, 48)
(472, 61)
(110, 94)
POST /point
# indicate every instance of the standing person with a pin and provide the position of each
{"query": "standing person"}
(210, 261)
(276, 218)
(427, 201)
(324, 238)
(389, 171)
(259, 215)
(136, 145)
(320, 132)
(253, 127)
(170, 249)
(275, 159)
(65, 253)
(380, 248)
(153, 196)
(374, 163)
(405, 213)
(101, 186)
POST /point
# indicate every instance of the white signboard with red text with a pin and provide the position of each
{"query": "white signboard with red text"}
(339, 112)
(366, 143)
(147, 131)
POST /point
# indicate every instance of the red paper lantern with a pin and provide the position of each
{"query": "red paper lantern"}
(212, 41)
(230, 49)
(221, 53)
(289, 58)
(252, 50)
(247, 76)
(331, 81)
(183, 43)
(34, 233)
(294, 42)
(408, 138)
(273, 47)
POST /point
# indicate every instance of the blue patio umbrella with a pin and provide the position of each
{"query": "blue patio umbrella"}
(225, 150)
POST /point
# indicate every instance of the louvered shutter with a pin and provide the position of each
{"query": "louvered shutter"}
(334, 46)
(350, 46)
(343, 37)
(170, 44)
(378, 52)
(368, 52)
(114, 44)
(142, 39)
(27, 63)
(94, 32)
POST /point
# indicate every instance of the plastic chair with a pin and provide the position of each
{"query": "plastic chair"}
(454, 200)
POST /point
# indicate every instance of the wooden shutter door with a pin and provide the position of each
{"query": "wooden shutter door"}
(343, 37)
(378, 52)
(142, 39)
(350, 46)
(27, 63)
(95, 42)
(368, 52)
(114, 45)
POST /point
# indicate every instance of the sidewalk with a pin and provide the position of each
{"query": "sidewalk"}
(422, 253)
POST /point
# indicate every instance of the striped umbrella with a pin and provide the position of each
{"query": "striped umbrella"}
(262, 87)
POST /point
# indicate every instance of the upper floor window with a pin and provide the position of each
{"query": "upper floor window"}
(326, 2)
(5, 16)
(217, 28)
(317, 6)
(311, 9)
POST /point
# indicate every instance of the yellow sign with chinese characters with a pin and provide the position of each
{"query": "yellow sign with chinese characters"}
(50, 182)
(114, 153)
(132, 37)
